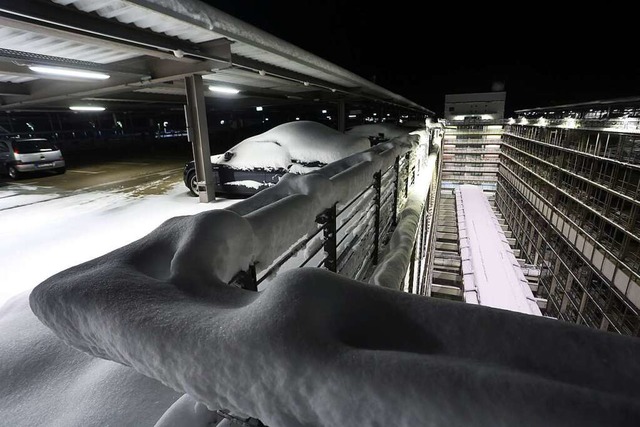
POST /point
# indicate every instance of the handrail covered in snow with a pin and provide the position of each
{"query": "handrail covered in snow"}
(316, 348)
(338, 217)
(407, 264)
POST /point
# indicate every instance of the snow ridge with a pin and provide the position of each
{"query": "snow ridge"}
(314, 349)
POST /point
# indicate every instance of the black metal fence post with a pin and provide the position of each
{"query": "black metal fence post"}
(328, 220)
(247, 279)
(412, 269)
(377, 185)
(408, 181)
(396, 191)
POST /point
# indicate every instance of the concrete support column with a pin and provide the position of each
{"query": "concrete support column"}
(198, 131)
(342, 116)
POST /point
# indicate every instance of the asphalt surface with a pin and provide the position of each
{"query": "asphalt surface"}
(138, 175)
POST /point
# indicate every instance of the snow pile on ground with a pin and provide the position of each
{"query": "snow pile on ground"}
(314, 349)
(44, 382)
(388, 130)
(302, 141)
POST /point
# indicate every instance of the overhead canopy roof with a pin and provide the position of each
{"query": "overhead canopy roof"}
(629, 101)
(148, 47)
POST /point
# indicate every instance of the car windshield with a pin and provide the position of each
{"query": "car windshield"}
(248, 154)
(34, 146)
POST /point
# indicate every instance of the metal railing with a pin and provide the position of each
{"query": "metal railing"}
(351, 236)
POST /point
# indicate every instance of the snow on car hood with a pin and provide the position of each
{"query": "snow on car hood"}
(302, 141)
(255, 154)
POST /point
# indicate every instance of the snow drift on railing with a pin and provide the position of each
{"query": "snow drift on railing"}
(315, 348)
(279, 216)
(391, 271)
(319, 349)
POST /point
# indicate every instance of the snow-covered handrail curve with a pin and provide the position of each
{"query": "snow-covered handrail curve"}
(318, 349)
(391, 271)
(315, 348)
(281, 215)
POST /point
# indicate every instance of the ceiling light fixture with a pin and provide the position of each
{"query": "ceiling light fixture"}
(68, 72)
(224, 89)
(86, 108)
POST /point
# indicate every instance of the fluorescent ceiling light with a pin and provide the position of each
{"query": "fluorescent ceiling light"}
(224, 89)
(86, 108)
(68, 72)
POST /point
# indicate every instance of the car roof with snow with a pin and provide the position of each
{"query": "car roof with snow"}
(294, 142)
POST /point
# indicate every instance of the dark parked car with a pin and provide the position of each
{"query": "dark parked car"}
(260, 161)
(19, 156)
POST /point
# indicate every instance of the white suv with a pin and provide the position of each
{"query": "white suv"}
(18, 156)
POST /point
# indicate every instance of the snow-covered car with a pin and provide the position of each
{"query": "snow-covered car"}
(19, 156)
(260, 161)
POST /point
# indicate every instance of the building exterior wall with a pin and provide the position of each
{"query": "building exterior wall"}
(571, 196)
(484, 105)
(471, 154)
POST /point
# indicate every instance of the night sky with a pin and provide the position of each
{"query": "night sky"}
(541, 55)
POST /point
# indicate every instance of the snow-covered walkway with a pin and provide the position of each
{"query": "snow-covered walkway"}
(491, 274)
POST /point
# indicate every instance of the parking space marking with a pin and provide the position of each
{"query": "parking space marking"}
(80, 171)
(130, 163)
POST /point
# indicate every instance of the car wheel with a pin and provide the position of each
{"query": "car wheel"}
(193, 184)
(13, 172)
(60, 171)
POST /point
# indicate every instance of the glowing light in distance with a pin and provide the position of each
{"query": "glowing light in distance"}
(352, 116)
(69, 72)
(324, 111)
(259, 108)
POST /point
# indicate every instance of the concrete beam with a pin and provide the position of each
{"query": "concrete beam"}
(162, 71)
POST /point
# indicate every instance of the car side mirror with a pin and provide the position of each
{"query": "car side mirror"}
(228, 155)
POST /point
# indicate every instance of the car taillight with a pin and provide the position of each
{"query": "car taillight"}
(15, 150)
